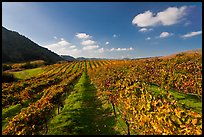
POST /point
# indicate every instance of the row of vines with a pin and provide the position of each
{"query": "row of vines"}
(42, 94)
(126, 85)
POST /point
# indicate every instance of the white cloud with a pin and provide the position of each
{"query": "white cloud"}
(71, 52)
(165, 34)
(62, 39)
(191, 34)
(121, 49)
(131, 48)
(63, 47)
(55, 37)
(115, 36)
(73, 46)
(145, 30)
(170, 16)
(63, 42)
(145, 19)
(90, 47)
(187, 23)
(88, 42)
(112, 49)
(148, 38)
(83, 36)
(101, 50)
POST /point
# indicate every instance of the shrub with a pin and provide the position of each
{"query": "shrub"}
(6, 67)
(8, 77)
(180, 54)
(27, 65)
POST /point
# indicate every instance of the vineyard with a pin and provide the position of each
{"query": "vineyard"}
(152, 96)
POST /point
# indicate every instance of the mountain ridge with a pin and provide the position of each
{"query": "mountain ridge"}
(18, 48)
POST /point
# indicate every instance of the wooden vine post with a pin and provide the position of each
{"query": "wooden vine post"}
(113, 107)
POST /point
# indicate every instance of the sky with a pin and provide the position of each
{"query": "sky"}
(112, 30)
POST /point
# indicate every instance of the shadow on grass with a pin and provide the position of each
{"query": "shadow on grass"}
(83, 113)
(190, 97)
(185, 100)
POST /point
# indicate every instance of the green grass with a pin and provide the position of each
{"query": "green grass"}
(121, 125)
(188, 100)
(25, 74)
(83, 113)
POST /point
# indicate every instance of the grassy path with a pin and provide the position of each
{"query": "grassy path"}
(83, 113)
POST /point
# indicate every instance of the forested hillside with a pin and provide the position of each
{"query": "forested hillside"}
(18, 48)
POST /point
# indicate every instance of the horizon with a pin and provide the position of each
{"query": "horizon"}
(123, 30)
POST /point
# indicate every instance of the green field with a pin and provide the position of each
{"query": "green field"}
(25, 74)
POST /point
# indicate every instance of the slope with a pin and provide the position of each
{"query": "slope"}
(18, 48)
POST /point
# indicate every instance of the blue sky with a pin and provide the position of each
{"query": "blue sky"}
(108, 29)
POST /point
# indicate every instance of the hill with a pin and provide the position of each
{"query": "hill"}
(68, 58)
(17, 48)
(187, 52)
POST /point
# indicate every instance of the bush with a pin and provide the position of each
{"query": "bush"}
(33, 64)
(180, 54)
(8, 77)
(38, 63)
(6, 67)
(27, 65)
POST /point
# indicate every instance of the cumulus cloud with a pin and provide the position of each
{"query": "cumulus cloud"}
(148, 38)
(71, 52)
(73, 46)
(63, 47)
(165, 34)
(101, 50)
(115, 36)
(55, 37)
(144, 30)
(91, 47)
(63, 42)
(191, 34)
(187, 23)
(88, 48)
(170, 16)
(88, 42)
(83, 36)
(121, 49)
